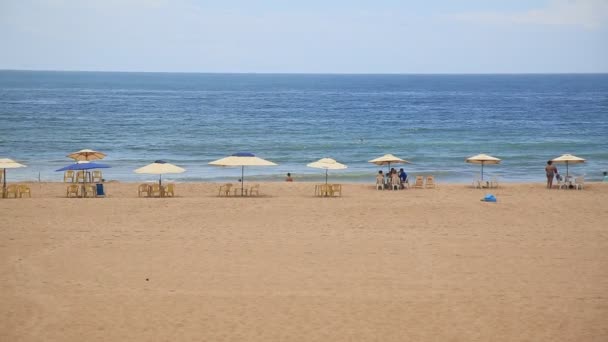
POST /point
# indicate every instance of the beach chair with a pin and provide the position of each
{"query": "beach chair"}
(561, 183)
(68, 176)
(379, 184)
(170, 190)
(100, 190)
(430, 182)
(155, 190)
(225, 189)
(419, 183)
(12, 189)
(80, 176)
(24, 190)
(253, 189)
(494, 182)
(97, 177)
(325, 190)
(336, 189)
(579, 182)
(72, 189)
(90, 190)
(143, 189)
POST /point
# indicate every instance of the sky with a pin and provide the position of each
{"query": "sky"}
(308, 36)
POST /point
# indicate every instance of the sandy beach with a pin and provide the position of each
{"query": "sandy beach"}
(413, 265)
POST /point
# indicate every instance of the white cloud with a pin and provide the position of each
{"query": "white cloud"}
(587, 14)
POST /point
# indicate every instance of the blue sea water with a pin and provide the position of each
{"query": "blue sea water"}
(434, 121)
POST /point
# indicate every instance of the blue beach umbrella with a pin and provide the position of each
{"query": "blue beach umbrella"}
(83, 165)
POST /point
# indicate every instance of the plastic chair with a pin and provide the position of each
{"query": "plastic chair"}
(579, 182)
(155, 190)
(336, 189)
(379, 184)
(80, 176)
(419, 184)
(430, 182)
(12, 189)
(561, 183)
(253, 189)
(143, 188)
(170, 190)
(72, 189)
(90, 190)
(225, 189)
(325, 190)
(68, 176)
(494, 182)
(99, 190)
(24, 190)
(97, 177)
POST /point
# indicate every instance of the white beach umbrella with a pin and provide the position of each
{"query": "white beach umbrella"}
(482, 159)
(568, 159)
(388, 159)
(327, 164)
(242, 159)
(6, 163)
(160, 167)
(86, 155)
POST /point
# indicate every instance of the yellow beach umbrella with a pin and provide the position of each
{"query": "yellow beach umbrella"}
(6, 163)
(388, 159)
(160, 167)
(482, 159)
(568, 159)
(327, 164)
(242, 159)
(86, 155)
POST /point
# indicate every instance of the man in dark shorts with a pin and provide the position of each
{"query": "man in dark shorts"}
(551, 171)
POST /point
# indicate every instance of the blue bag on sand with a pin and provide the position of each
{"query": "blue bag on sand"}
(489, 198)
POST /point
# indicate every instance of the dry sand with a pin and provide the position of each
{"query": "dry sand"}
(414, 265)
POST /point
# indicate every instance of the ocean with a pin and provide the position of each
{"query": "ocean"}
(189, 119)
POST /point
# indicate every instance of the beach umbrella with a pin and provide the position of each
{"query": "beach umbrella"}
(242, 159)
(86, 155)
(482, 159)
(83, 166)
(388, 159)
(6, 163)
(327, 164)
(158, 168)
(568, 159)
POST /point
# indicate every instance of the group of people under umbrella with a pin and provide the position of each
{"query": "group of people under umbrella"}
(85, 160)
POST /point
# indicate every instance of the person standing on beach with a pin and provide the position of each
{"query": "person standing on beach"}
(551, 171)
(289, 179)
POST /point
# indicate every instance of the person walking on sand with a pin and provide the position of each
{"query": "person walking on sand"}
(551, 171)
(288, 178)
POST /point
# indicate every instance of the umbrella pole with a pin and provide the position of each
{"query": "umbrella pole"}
(242, 179)
(326, 176)
(4, 183)
(160, 177)
(482, 170)
(566, 169)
